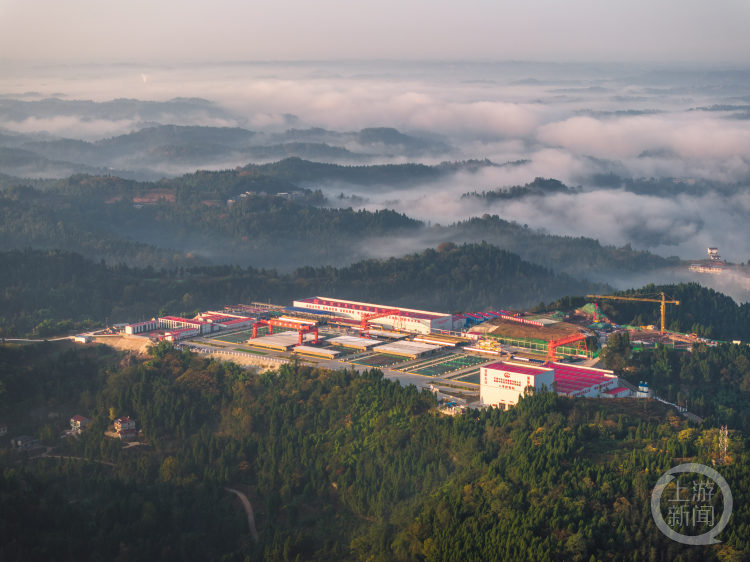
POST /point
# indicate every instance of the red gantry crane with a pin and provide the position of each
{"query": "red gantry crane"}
(364, 326)
(578, 339)
(301, 328)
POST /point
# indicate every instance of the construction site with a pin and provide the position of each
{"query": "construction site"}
(487, 358)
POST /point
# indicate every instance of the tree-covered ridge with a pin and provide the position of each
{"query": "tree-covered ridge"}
(155, 151)
(346, 466)
(568, 254)
(146, 224)
(48, 292)
(297, 170)
(714, 382)
(189, 220)
(703, 311)
(538, 187)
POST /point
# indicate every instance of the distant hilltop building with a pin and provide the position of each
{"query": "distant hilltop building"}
(714, 264)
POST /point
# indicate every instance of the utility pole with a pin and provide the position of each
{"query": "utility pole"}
(723, 444)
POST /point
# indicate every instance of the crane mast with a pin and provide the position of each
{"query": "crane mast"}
(662, 301)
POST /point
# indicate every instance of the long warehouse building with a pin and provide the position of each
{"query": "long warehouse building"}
(405, 320)
(502, 384)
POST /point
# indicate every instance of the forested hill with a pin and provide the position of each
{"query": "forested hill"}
(576, 255)
(252, 218)
(297, 170)
(540, 187)
(337, 465)
(154, 224)
(46, 292)
(701, 310)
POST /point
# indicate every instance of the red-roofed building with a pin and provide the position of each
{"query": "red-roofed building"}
(182, 333)
(78, 423)
(177, 323)
(123, 423)
(224, 321)
(502, 384)
(408, 319)
(236, 323)
(141, 327)
(583, 382)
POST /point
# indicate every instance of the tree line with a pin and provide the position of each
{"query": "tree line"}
(343, 465)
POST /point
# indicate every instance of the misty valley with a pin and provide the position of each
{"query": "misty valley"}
(570, 222)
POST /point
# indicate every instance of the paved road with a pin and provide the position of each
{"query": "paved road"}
(7, 340)
(248, 510)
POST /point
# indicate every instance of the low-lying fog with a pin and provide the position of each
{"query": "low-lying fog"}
(569, 122)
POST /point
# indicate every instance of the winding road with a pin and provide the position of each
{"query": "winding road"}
(248, 510)
(243, 497)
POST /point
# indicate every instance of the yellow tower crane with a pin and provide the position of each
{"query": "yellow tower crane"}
(663, 301)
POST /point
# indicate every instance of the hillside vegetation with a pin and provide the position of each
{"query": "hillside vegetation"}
(49, 292)
(338, 466)
(270, 215)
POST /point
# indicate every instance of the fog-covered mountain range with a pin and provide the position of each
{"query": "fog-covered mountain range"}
(650, 158)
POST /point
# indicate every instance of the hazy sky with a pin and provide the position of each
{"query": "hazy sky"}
(202, 30)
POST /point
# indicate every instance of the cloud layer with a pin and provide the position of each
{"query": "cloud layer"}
(568, 122)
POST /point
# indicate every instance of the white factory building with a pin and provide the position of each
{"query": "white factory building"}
(405, 320)
(141, 327)
(502, 384)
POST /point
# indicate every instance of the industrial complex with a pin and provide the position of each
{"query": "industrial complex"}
(489, 358)
(394, 318)
(503, 383)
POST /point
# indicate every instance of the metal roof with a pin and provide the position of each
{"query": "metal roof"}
(354, 341)
(407, 348)
(520, 369)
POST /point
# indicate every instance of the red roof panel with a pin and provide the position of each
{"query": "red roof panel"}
(520, 369)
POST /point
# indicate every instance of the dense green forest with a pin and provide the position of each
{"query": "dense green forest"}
(44, 293)
(713, 381)
(48, 292)
(701, 310)
(272, 222)
(539, 187)
(575, 255)
(337, 465)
